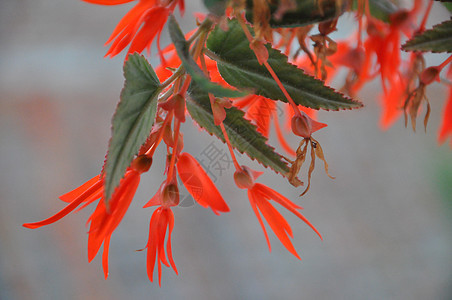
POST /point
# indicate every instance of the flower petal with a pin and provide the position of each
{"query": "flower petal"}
(155, 20)
(70, 196)
(289, 205)
(253, 200)
(105, 220)
(70, 207)
(199, 185)
(105, 256)
(278, 224)
(168, 243)
(152, 243)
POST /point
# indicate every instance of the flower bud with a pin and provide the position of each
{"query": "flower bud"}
(429, 75)
(301, 126)
(170, 195)
(243, 179)
(142, 163)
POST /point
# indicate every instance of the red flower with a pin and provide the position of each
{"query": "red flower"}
(259, 195)
(203, 190)
(140, 25)
(199, 185)
(162, 218)
(105, 218)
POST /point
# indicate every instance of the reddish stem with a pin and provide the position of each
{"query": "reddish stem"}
(445, 63)
(176, 141)
(424, 19)
(241, 21)
(226, 137)
(283, 89)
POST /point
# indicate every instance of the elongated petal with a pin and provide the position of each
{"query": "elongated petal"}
(161, 219)
(128, 21)
(105, 256)
(161, 233)
(274, 214)
(91, 199)
(168, 243)
(155, 20)
(70, 207)
(199, 185)
(70, 196)
(104, 221)
(446, 124)
(181, 7)
(278, 224)
(286, 203)
(152, 244)
(253, 200)
(274, 195)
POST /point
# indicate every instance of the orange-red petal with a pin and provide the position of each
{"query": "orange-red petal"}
(253, 202)
(70, 207)
(199, 185)
(286, 203)
(70, 196)
(161, 219)
(105, 256)
(104, 221)
(446, 125)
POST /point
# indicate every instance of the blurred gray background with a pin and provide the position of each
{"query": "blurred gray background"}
(385, 219)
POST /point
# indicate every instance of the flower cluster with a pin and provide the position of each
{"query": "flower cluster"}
(206, 83)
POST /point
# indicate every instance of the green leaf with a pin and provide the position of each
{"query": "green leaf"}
(380, 9)
(197, 75)
(240, 68)
(306, 12)
(241, 132)
(216, 7)
(132, 120)
(448, 5)
(438, 39)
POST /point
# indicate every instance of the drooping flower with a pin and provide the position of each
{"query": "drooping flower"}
(140, 25)
(106, 217)
(259, 196)
(162, 218)
(202, 189)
